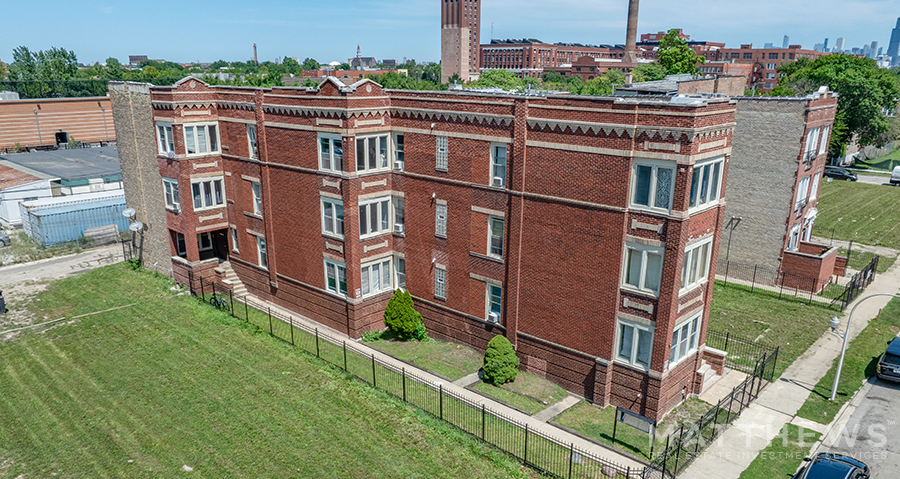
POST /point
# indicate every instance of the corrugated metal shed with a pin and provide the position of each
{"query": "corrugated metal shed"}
(60, 221)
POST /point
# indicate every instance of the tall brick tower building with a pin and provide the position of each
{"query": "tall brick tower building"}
(460, 20)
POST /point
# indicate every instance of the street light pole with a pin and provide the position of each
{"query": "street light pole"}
(837, 375)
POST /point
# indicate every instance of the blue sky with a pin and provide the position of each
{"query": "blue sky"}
(326, 30)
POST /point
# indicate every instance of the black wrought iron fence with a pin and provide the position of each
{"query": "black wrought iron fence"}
(689, 441)
(858, 283)
(534, 448)
(743, 354)
(784, 285)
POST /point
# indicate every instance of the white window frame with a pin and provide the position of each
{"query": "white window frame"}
(382, 157)
(251, 141)
(645, 252)
(330, 161)
(684, 339)
(382, 212)
(493, 220)
(256, 188)
(335, 267)
(336, 222)
(794, 238)
(170, 193)
(400, 276)
(165, 141)
(630, 355)
(695, 267)
(823, 143)
(705, 196)
(368, 276)
(195, 130)
(204, 205)
(802, 193)
(814, 186)
(771, 66)
(499, 164)
(398, 206)
(440, 220)
(440, 282)
(441, 153)
(180, 244)
(209, 238)
(489, 303)
(234, 239)
(262, 256)
(398, 156)
(812, 142)
(655, 166)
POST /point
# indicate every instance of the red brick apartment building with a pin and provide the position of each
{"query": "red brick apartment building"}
(581, 228)
(530, 57)
(764, 60)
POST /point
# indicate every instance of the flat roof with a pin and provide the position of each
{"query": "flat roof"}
(74, 164)
(10, 177)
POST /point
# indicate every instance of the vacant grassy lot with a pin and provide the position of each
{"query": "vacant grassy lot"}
(452, 361)
(860, 362)
(792, 326)
(884, 163)
(145, 390)
(783, 455)
(868, 214)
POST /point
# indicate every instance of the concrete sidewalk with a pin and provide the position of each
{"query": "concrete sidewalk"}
(738, 446)
(534, 422)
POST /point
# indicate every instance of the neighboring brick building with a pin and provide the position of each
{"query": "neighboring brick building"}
(586, 68)
(564, 223)
(687, 84)
(780, 146)
(765, 61)
(33, 122)
(460, 37)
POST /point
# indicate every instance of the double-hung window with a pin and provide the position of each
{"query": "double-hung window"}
(684, 340)
(257, 198)
(234, 239)
(494, 303)
(165, 142)
(634, 343)
(333, 217)
(374, 216)
(814, 187)
(336, 277)
(706, 183)
(400, 271)
(251, 139)
(695, 268)
(204, 241)
(208, 193)
(653, 183)
(261, 251)
(372, 152)
(643, 267)
(496, 238)
(802, 192)
(399, 213)
(376, 277)
(170, 190)
(440, 220)
(498, 165)
(440, 162)
(794, 238)
(331, 152)
(823, 145)
(812, 143)
(201, 138)
(398, 151)
(180, 246)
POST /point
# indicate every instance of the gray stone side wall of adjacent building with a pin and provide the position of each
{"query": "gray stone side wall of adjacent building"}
(761, 177)
(136, 140)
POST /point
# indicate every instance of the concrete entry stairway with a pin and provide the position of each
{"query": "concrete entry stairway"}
(231, 279)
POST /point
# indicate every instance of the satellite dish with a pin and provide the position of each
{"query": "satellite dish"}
(136, 226)
(128, 213)
(170, 154)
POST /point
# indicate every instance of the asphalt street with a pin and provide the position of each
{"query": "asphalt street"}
(873, 180)
(872, 434)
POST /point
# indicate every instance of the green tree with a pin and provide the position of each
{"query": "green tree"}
(218, 64)
(114, 69)
(863, 91)
(24, 65)
(676, 56)
(57, 64)
(291, 66)
(500, 361)
(504, 79)
(150, 71)
(401, 317)
(310, 64)
(553, 77)
(2, 71)
(649, 72)
(343, 66)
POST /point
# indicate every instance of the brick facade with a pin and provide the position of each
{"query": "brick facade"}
(565, 210)
(460, 36)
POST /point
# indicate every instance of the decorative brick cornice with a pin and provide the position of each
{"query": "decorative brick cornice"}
(325, 112)
(457, 116)
(236, 105)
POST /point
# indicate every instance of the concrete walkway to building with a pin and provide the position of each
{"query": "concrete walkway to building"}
(535, 423)
(738, 446)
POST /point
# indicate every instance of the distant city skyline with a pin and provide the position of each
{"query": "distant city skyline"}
(96, 30)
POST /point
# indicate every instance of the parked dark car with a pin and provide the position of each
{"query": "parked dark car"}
(840, 174)
(833, 466)
(889, 363)
(4, 239)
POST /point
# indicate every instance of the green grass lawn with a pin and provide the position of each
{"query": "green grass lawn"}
(859, 259)
(528, 392)
(860, 361)
(884, 163)
(782, 457)
(867, 214)
(597, 424)
(453, 361)
(168, 382)
(791, 325)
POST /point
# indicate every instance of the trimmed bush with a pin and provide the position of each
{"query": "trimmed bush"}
(402, 318)
(500, 361)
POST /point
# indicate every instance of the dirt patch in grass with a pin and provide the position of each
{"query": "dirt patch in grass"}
(17, 297)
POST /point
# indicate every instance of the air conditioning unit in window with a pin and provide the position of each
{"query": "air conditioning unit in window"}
(497, 181)
(398, 165)
(398, 228)
(493, 317)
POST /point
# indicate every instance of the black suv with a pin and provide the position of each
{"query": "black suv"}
(840, 173)
(833, 466)
(889, 363)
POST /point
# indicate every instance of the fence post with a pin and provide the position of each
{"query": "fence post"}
(214, 289)
(441, 399)
(345, 356)
(699, 436)
(665, 461)
(202, 293)
(317, 346)
(482, 421)
(269, 308)
(246, 309)
(727, 337)
(678, 450)
(753, 283)
(525, 459)
(403, 372)
(373, 370)
(231, 301)
(291, 319)
(727, 263)
(615, 423)
(571, 458)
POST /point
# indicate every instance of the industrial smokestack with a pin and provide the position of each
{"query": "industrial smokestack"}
(254, 55)
(631, 33)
